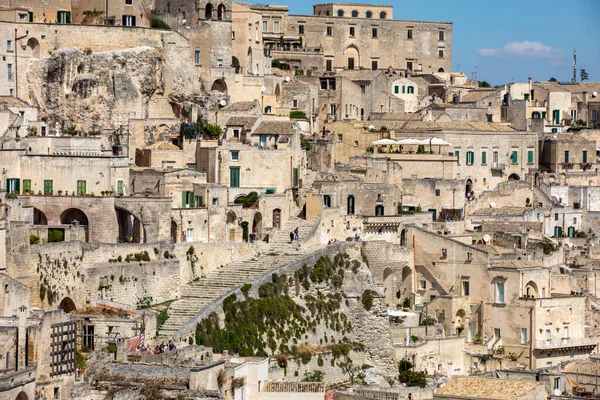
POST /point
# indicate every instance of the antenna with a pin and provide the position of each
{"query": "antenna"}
(574, 79)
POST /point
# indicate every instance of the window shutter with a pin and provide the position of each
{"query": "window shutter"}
(30, 16)
(123, 20)
(183, 199)
(483, 157)
(457, 154)
(133, 20)
(530, 156)
(68, 17)
(192, 199)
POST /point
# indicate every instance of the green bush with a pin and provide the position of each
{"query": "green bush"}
(297, 114)
(367, 299)
(313, 376)
(34, 239)
(214, 131)
(408, 376)
(305, 144)
(55, 235)
(158, 23)
(247, 200)
(12, 195)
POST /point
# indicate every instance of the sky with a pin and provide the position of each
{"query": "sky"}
(507, 40)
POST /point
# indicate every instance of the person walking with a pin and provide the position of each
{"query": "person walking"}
(296, 235)
(291, 237)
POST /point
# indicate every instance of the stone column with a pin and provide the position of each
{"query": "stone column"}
(468, 327)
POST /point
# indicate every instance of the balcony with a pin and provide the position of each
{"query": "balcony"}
(498, 167)
(555, 344)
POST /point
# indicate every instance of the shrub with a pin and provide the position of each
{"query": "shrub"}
(246, 289)
(406, 303)
(55, 235)
(409, 377)
(34, 239)
(367, 299)
(297, 114)
(12, 195)
(156, 22)
(162, 317)
(313, 376)
(305, 144)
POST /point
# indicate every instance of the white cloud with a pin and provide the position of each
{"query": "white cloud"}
(525, 49)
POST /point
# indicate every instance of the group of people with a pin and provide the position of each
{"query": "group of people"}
(470, 195)
(158, 349)
(294, 236)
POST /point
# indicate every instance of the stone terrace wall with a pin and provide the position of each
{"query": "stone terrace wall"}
(146, 372)
(295, 369)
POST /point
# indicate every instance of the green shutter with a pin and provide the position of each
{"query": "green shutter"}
(192, 199)
(81, 188)
(584, 156)
(514, 157)
(120, 188)
(530, 157)
(48, 186)
(457, 154)
(396, 89)
(234, 177)
(296, 178)
(30, 16)
(183, 199)
(566, 156)
(483, 157)
(26, 185)
(58, 17)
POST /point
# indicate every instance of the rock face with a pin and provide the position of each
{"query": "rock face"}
(72, 86)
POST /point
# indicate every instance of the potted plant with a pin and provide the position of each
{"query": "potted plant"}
(66, 192)
(477, 339)
(60, 192)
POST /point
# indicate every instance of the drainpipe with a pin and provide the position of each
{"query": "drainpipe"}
(17, 60)
(208, 212)
(531, 336)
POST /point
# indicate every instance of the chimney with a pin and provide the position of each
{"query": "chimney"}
(585, 98)
(460, 96)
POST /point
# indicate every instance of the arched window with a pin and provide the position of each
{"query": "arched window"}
(536, 115)
(221, 12)
(441, 70)
(340, 13)
(354, 14)
(411, 90)
(369, 14)
(382, 15)
(208, 11)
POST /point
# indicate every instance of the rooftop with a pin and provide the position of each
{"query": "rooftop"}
(488, 388)
(246, 122)
(275, 128)
(11, 101)
(501, 211)
(242, 106)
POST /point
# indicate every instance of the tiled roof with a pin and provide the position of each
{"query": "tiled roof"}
(452, 126)
(488, 388)
(10, 101)
(477, 95)
(501, 211)
(246, 122)
(275, 128)
(402, 117)
(242, 106)
(162, 146)
(359, 75)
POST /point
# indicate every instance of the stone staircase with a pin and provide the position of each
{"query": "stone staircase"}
(428, 273)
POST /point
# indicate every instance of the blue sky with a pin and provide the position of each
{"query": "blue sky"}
(508, 40)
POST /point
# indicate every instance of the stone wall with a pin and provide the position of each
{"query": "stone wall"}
(296, 371)
(127, 371)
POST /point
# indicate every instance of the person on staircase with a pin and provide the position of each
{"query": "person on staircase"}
(296, 234)
(291, 237)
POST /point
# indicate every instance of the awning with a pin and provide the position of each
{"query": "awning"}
(400, 313)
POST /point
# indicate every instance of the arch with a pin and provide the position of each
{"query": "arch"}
(468, 188)
(531, 289)
(514, 177)
(382, 15)
(174, 230)
(208, 11)
(388, 284)
(257, 225)
(459, 319)
(406, 273)
(354, 13)
(70, 215)
(221, 12)
(536, 179)
(277, 218)
(22, 396)
(403, 237)
(536, 115)
(352, 57)
(131, 228)
(277, 92)
(249, 61)
(33, 47)
(67, 305)
(369, 14)
(219, 86)
(441, 70)
(235, 63)
(39, 218)
(231, 225)
(340, 13)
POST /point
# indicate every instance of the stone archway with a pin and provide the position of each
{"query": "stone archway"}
(39, 218)
(249, 62)
(221, 12)
(22, 396)
(67, 305)
(459, 320)
(257, 225)
(352, 57)
(208, 11)
(277, 92)
(531, 290)
(388, 285)
(131, 228)
(73, 216)
(468, 188)
(174, 231)
(403, 237)
(33, 48)
(231, 226)
(514, 177)
(219, 86)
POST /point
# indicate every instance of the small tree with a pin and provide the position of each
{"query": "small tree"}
(354, 372)
(410, 377)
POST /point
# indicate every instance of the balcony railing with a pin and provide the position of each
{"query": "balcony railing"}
(563, 343)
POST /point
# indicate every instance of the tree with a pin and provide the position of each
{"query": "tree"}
(354, 372)
(584, 75)
(410, 377)
(484, 84)
(552, 79)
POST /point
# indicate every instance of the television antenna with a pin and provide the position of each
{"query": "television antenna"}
(574, 79)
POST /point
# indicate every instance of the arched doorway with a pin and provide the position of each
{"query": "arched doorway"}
(249, 61)
(536, 179)
(388, 285)
(257, 225)
(235, 63)
(468, 188)
(459, 321)
(231, 226)
(39, 218)
(131, 229)
(403, 237)
(277, 218)
(33, 48)
(174, 231)
(221, 12)
(406, 286)
(219, 86)
(441, 70)
(72, 215)
(514, 177)
(208, 11)
(67, 305)
(352, 57)
(531, 290)
(22, 396)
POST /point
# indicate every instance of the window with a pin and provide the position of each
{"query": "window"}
(265, 26)
(351, 31)
(483, 158)
(409, 34)
(233, 35)
(26, 185)
(500, 292)
(128, 20)
(328, 65)
(374, 33)
(465, 288)
(409, 66)
(437, 192)
(340, 13)
(354, 14)
(187, 199)
(422, 285)
(529, 156)
(9, 45)
(48, 186)
(330, 31)
(189, 235)
(234, 177)
(197, 57)
(495, 155)
(556, 216)
(379, 210)
(369, 14)
(410, 90)
(276, 26)
(584, 157)
(300, 29)
(339, 137)
(9, 72)
(523, 335)
(215, 201)
(350, 204)
(565, 332)
(514, 157)
(382, 15)
(441, 53)
(12, 185)
(326, 201)
(350, 62)
(219, 62)
(356, 143)
(566, 156)
(594, 115)
(396, 89)
(457, 154)
(199, 201)
(128, 2)
(556, 384)
(235, 156)
(120, 187)
(470, 157)
(441, 36)
(403, 89)
(374, 65)
(294, 103)
(81, 188)
(63, 17)
(497, 335)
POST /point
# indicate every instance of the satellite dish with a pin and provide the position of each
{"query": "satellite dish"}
(371, 127)
(486, 238)
(183, 21)
(287, 79)
(222, 103)
(263, 89)
(594, 94)
(557, 392)
(492, 204)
